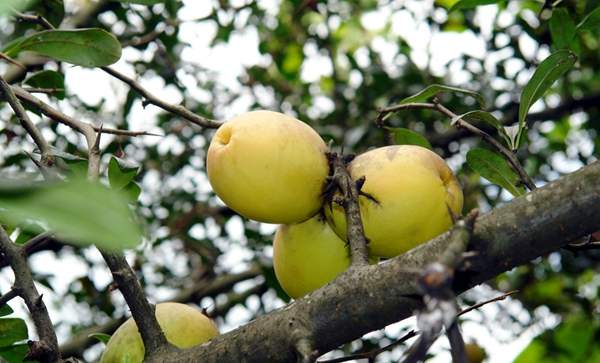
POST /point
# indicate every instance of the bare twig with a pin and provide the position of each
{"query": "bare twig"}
(359, 253)
(373, 353)
(12, 61)
(37, 19)
(43, 90)
(480, 304)
(32, 130)
(46, 350)
(175, 109)
(11, 294)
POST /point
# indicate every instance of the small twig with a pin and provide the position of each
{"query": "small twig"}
(46, 350)
(175, 109)
(375, 352)
(28, 125)
(142, 39)
(43, 90)
(37, 19)
(480, 304)
(12, 61)
(11, 294)
(355, 233)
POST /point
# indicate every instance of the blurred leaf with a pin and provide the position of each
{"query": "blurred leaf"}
(551, 69)
(15, 353)
(533, 353)
(48, 79)
(6, 310)
(119, 175)
(6, 6)
(12, 330)
(562, 29)
(404, 136)
(493, 167)
(101, 337)
(470, 4)
(51, 10)
(590, 22)
(133, 190)
(103, 216)
(141, 2)
(435, 89)
(85, 47)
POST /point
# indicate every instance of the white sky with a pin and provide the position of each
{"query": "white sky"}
(226, 62)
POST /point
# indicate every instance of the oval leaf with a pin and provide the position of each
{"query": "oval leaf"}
(12, 330)
(562, 29)
(590, 22)
(101, 337)
(434, 89)
(551, 69)
(404, 136)
(48, 79)
(5, 310)
(78, 211)
(84, 47)
(495, 168)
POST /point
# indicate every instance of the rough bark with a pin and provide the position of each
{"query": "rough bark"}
(371, 297)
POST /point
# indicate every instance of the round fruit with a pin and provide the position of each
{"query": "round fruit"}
(307, 256)
(413, 190)
(475, 353)
(183, 325)
(268, 167)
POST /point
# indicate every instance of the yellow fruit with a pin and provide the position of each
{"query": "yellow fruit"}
(268, 167)
(414, 189)
(183, 325)
(307, 256)
(475, 353)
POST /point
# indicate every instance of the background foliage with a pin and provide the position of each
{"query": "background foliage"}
(332, 64)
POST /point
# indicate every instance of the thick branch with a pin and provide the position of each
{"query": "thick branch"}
(46, 350)
(368, 298)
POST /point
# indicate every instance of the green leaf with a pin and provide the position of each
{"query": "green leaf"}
(51, 10)
(12, 330)
(81, 212)
(48, 79)
(574, 336)
(119, 174)
(485, 117)
(133, 190)
(470, 4)
(6, 310)
(493, 167)
(85, 47)
(7, 6)
(404, 136)
(15, 353)
(590, 22)
(562, 29)
(551, 69)
(434, 89)
(101, 337)
(142, 2)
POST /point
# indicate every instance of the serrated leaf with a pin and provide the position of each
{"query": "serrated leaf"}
(434, 89)
(6, 310)
(470, 4)
(79, 211)
(142, 2)
(101, 337)
(120, 175)
(590, 22)
(85, 47)
(12, 330)
(404, 136)
(493, 167)
(551, 69)
(562, 29)
(48, 79)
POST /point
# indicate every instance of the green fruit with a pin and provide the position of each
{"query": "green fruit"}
(183, 325)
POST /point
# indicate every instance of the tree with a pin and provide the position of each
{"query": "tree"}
(507, 93)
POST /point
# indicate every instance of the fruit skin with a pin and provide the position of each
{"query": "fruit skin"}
(475, 353)
(414, 189)
(307, 256)
(268, 167)
(183, 325)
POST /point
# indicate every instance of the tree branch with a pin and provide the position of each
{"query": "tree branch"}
(45, 350)
(369, 298)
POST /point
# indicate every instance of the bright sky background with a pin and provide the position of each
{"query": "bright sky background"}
(226, 62)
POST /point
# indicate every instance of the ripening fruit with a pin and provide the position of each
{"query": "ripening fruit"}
(413, 187)
(268, 167)
(475, 353)
(307, 256)
(183, 325)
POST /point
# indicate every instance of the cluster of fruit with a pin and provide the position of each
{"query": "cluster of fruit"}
(273, 168)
